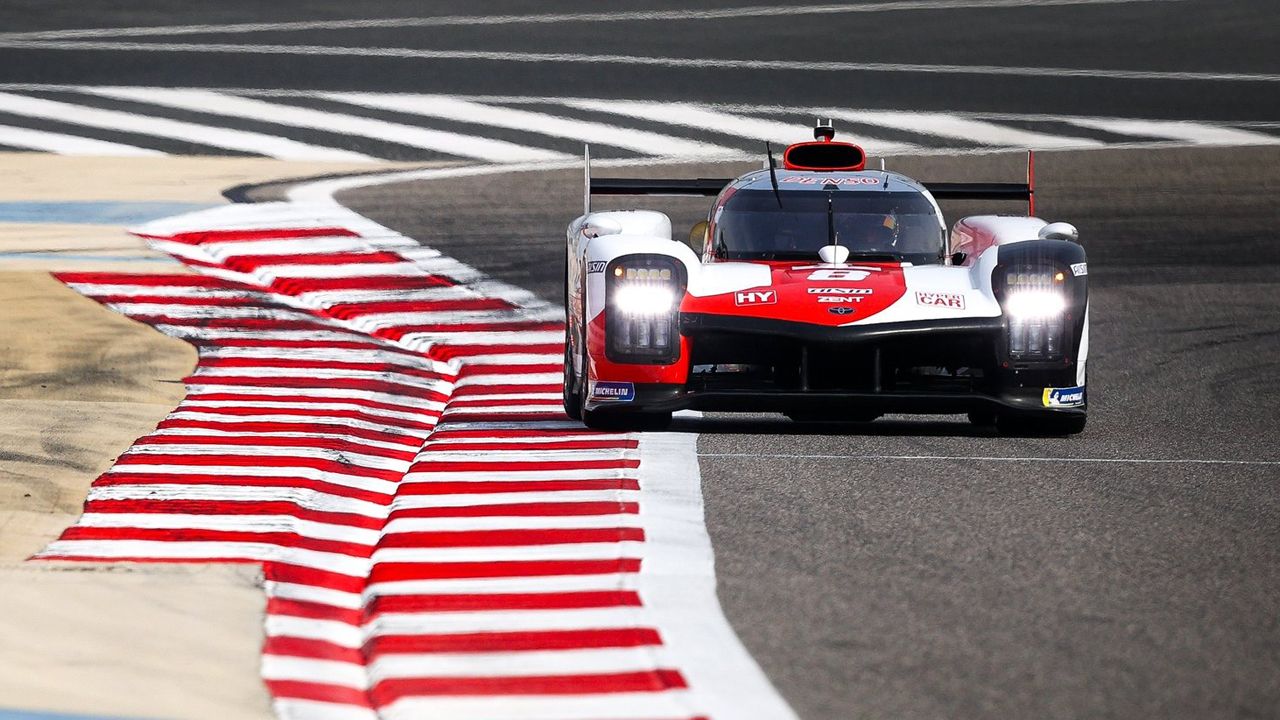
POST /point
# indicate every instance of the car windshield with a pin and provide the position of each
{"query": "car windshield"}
(900, 226)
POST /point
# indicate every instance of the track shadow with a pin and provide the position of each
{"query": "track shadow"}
(778, 425)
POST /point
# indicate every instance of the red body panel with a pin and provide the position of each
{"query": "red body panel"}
(807, 292)
(601, 368)
(801, 292)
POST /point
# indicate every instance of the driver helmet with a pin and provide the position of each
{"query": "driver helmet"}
(876, 232)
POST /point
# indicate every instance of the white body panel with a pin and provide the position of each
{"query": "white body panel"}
(973, 287)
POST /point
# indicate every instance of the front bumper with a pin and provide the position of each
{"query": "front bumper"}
(663, 398)
(858, 369)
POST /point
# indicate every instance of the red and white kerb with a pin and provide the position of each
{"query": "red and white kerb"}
(380, 427)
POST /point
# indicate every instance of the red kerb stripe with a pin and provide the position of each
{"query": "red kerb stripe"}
(514, 641)
(393, 689)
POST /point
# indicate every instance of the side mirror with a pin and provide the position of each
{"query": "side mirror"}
(598, 226)
(698, 238)
(1060, 231)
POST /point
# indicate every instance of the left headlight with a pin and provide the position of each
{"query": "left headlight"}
(642, 309)
(1035, 302)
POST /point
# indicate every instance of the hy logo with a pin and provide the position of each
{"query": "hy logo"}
(755, 297)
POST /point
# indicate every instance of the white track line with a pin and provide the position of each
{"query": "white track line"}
(558, 18)
(981, 458)
(452, 108)
(806, 66)
(68, 144)
(240, 140)
(951, 126)
(691, 115)
(1191, 132)
(678, 586)
(437, 140)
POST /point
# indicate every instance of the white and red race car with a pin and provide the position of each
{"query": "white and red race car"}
(825, 291)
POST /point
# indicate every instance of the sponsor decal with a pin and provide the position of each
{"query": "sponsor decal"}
(613, 391)
(947, 300)
(808, 180)
(596, 266)
(839, 291)
(1063, 397)
(840, 299)
(1079, 269)
(846, 274)
(755, 297)
(842, 310)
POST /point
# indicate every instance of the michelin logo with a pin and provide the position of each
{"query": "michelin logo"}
(613, 391)
(1063, 397)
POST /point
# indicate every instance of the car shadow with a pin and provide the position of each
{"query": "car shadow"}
(778, 425)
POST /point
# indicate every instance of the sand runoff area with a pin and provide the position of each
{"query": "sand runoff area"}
(78, 383)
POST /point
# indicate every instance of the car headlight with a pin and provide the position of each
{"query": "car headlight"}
(637, 299)
(642, 309)
(1035, 303)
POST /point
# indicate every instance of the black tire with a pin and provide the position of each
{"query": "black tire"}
(572, 400)
(1049, 424)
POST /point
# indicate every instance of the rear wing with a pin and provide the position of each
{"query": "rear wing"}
(711, 187)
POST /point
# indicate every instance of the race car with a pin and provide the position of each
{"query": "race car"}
(827, 292)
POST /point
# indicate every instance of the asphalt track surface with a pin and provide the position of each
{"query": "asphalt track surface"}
(923, 568)
(1237, 38)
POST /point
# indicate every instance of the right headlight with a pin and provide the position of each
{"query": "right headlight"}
(1035, 303)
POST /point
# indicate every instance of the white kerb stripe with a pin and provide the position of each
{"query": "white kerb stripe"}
(506, 621)
(1191, 132)
(953, 126)
(448, 143)
(546, 522)
(662, 705)
(311, 593)
(68, 144)
(233, 523)
(519, 664)
(241, 140)
(295, 709)
(308, 499)
(464, 665)
(698, 116)
(452, 108)
(511, 553)
(197, 550)
(410, 502)
(535, 584)
(353, 636)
